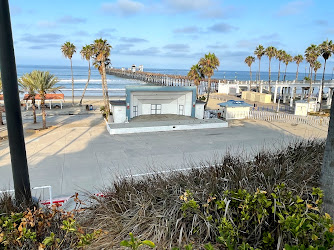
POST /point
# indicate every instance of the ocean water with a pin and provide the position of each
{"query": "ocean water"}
(117, 85)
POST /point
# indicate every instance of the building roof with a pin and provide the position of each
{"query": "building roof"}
(160, 88)
(118, 103)
(234, 104)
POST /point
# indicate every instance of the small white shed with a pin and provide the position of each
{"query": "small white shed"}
(118, 109)
(228, 89)
(234, 109)
(302, 107)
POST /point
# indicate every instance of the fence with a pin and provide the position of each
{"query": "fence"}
(283, 117)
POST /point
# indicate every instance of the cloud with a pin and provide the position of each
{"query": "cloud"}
(187, 30)
(321, 22)
(177, 47)
(105, 33)
(44, 46)
(293, 8)
(133, 40)
(188, 5)
(81, 33)
(217, 46)
(222, 27)
(123, 7)
(152, 51)
(71, 20)
(46, 24)
(203, 8)
(48, 38)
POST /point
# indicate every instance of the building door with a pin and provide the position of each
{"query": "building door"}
(155, 109)
(181, 109)
(135, 111)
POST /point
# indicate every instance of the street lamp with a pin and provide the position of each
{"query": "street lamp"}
(13, 109)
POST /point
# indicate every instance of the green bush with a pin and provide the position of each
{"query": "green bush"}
(264, 220)
(39, 228)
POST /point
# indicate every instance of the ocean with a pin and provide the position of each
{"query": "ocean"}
(117, 85)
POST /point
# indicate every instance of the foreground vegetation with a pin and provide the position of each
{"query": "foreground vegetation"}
(269, 201)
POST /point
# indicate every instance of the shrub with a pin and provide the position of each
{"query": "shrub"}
(151, 207)
(39, 228)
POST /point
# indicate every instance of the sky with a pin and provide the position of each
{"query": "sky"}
(171, 34)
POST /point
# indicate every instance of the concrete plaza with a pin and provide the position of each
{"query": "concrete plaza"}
(77, 153)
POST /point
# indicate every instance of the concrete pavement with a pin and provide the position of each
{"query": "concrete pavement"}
(78, 153)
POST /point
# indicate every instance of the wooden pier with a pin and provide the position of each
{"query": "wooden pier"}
(161, 79)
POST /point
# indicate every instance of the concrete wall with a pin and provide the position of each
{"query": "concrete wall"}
(199, 110)
(170, 102)
(229, 113)
(119, 114)
(224, 88)
(256, 97)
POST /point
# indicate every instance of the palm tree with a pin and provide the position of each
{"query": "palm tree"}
(27, 82)
(86, 53)
(208, 64)
(195, 75)
(287, 59)
(249, 60)
(326, 50)
(316, 66)
(270, 52)
(101, 52)
(45, 82)
(298, 59)
(311, 56)
(259, 52)
(1, 109)
(68, 49)
(280, 56)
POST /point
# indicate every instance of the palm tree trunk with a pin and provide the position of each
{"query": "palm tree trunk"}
(315, 76)
(259, 68)
(310, 90)
(197, 90)
(43, 110)
(208, 94)
(106, 90)
(285, 72)
(84, 91)
(72, 84)
(33, 109)
(279, 69)
(327, 170)
(269, 76)
(250, 73)
(322, 84)
(297, 72)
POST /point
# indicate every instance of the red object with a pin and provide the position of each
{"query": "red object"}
(47, 97)
(58, 202)
(128, 107)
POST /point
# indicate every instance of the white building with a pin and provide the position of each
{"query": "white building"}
(303, 107)
(234, 109)
(147, 100)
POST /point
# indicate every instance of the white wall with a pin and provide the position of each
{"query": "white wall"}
(224, 88)
(235, 113)
(199, 110)
(169, 101)
(119, 114)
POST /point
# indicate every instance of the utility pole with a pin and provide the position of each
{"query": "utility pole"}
(13, 108)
